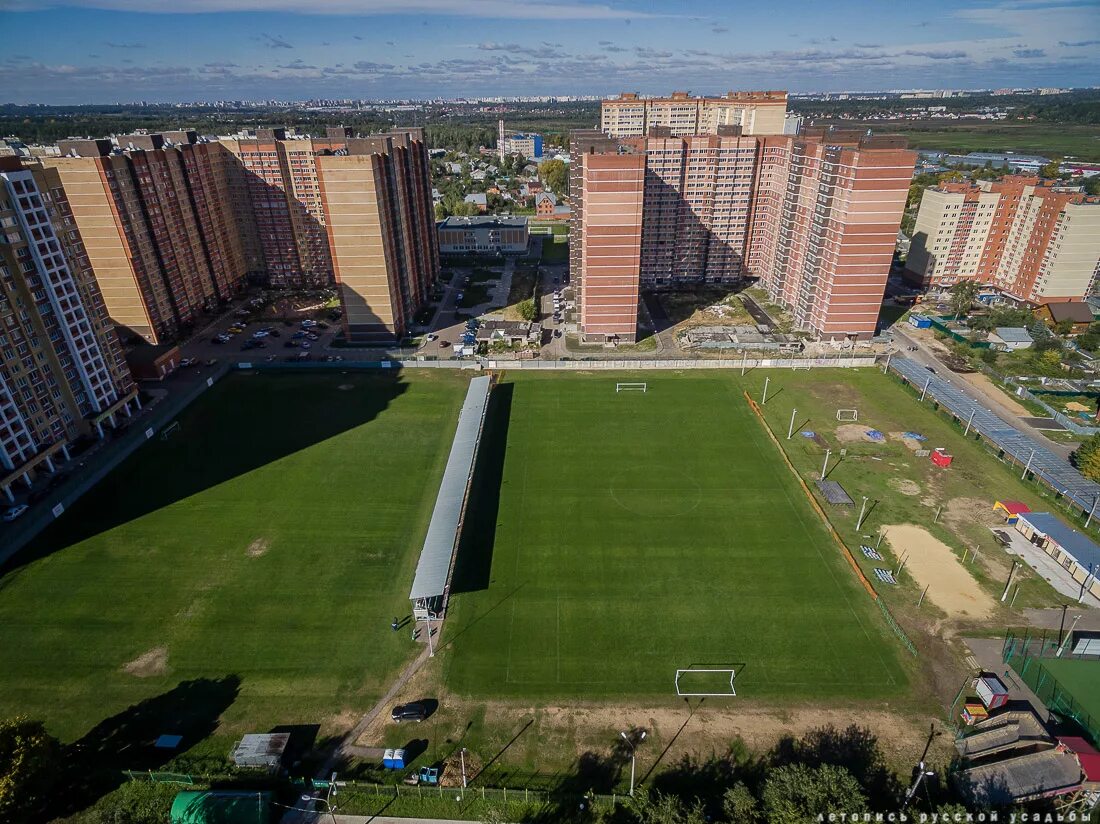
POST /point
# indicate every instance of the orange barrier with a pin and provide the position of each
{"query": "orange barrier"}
(813, 501)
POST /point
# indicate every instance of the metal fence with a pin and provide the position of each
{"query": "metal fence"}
(1023, 392)
(1026, 656)
(1031, 455)
(504, 795)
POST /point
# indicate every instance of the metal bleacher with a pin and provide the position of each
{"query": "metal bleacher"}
(1054, 471)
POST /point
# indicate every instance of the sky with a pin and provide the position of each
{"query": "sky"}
(107, 51)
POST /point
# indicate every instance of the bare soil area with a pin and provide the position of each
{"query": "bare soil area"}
(854, 433)
(148, 664)
(932, 564)
(258, 547)
(905, 486)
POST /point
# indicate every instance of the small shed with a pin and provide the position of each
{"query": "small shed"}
(920, 321)
(220, 807)
(992, 691)
(1010, 338)
(1011, 510)
(940, 457)
(263, 750)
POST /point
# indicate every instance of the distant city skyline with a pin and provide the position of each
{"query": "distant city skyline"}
(104, 51)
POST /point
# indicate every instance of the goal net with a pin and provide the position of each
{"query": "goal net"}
(630, 387)
(705, 682)
(170, 430)
(847, 414)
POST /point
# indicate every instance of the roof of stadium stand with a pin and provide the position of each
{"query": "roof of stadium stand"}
(434, 567)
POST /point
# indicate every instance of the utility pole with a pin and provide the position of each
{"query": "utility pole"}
(925, 390)
(967, 430)
(1062, 646)
(825, 465)
(921, 771)
(1008, 583)
(1086, 582)
(1088, 520)
(790, 429)
(1062, 623)
(744, 354)
(886, 366)
(462, 758)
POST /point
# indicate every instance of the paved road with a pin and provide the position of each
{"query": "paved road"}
(993, 400)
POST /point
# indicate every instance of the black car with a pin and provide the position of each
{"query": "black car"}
(275, 333)
(409, 712)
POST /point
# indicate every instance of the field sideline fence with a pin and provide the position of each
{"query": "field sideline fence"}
(579, 365)
(1026, 655)
(893, 624)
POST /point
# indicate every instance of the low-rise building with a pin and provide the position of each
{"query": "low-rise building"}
(1076, 552)
(479, 199)
(1009, 339)
(504, 235)
(511, 332)
(1076, 312)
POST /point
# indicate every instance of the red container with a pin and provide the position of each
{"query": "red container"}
(941, 458)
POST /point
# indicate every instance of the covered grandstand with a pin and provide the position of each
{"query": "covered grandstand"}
(432, 581)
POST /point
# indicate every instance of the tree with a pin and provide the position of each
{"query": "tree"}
(441, 212)
(1050, 171)
(797, 793)
(555, 174)
(30, 759)
(1064, 327)
(963, 294)
(739, 805)
(1086, 458)
(527, 309)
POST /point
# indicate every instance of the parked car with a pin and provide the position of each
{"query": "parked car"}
(186, 362)
(290, 344)
(219, 340)
(557, 333)
(443, 344)
(15, 511)
(409, 712)
(259, 333)
(212, 362)
(275, 333)
(306, 344)
(429, 338)
(298, 334)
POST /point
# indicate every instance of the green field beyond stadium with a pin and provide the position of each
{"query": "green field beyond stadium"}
(263, 548)
(638, 533)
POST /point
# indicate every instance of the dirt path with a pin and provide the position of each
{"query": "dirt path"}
(978, 380)
(932, 564)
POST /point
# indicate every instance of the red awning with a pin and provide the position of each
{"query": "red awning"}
(1014, 507)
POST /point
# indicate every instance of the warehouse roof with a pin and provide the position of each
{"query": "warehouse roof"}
(486, 222)
(433, 570)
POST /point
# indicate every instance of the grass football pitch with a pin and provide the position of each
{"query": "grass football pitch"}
(632, 534)
(260, 553)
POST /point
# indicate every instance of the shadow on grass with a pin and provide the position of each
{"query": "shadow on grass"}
(243, 423)
(474, 562)
(94, 765)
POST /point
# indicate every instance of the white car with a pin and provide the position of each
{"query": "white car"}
(260, 333)
(15, 512)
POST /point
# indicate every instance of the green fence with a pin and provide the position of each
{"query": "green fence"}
(1028, 656)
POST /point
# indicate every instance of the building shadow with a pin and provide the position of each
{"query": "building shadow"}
(95, 764)
(239, 425)
(474, 561)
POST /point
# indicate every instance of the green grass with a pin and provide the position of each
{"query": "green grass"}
(1046, 139)
(331, 490)
(638, 533)
(1080, 678)
(474, 295)
(555, 251)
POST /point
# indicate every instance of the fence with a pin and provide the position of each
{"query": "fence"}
(1026, 656)
(542, 797)
(107, 458)
(1023, 392)
(639, 365)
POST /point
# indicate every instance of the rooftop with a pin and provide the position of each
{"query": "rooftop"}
(486, 222)
(1075, 310)
(1081, 547)
(1013, 334)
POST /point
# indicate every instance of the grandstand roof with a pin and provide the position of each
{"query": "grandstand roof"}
(434, 567)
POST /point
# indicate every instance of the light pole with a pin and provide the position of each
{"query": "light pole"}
(825, 465)
(862, 509)
(462, 757)
(790, 429)
(764, 397)
(633, 754)
(327, 800)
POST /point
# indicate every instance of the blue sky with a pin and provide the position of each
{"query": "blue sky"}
(103, 51)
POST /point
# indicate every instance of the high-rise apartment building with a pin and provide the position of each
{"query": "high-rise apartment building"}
(62, 370)
(1034, 240)
(175, 225)
(813, 217)
(755, 113)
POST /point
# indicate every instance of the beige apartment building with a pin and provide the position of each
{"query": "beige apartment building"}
(756, 113)
(62, 370)
(175, 224)
(1034, 240)
(814, 218)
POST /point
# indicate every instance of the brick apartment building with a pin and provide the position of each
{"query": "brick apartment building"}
(1034, 240)
(62, 370)
(629, 115)
(813, 217)
(176, 224)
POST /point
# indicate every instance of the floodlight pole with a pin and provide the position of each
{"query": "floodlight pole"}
(1027, 468)
(764, 397)
(887, 366)
(862, 509)
(790, 429)
(462, 758)
(1008, 583)
(1088, 520)
(744, 354)
(825, 465)
(1062, 646)
(633, 755)
(1085, 583)
(967, 431)
(428, 621)
(925, 390)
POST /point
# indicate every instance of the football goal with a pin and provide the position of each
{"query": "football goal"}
(847, 415)
(630, 387)
(170, 430)
(705, 682)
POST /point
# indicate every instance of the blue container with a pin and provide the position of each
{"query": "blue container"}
(387, 759)
(399, 759)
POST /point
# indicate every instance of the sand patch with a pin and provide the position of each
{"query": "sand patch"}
(912, 444)
(932, 564)
(148, 664)
(1002, 397)
(904, 486)
(854, 433)
(971, 510)
(258, 547)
